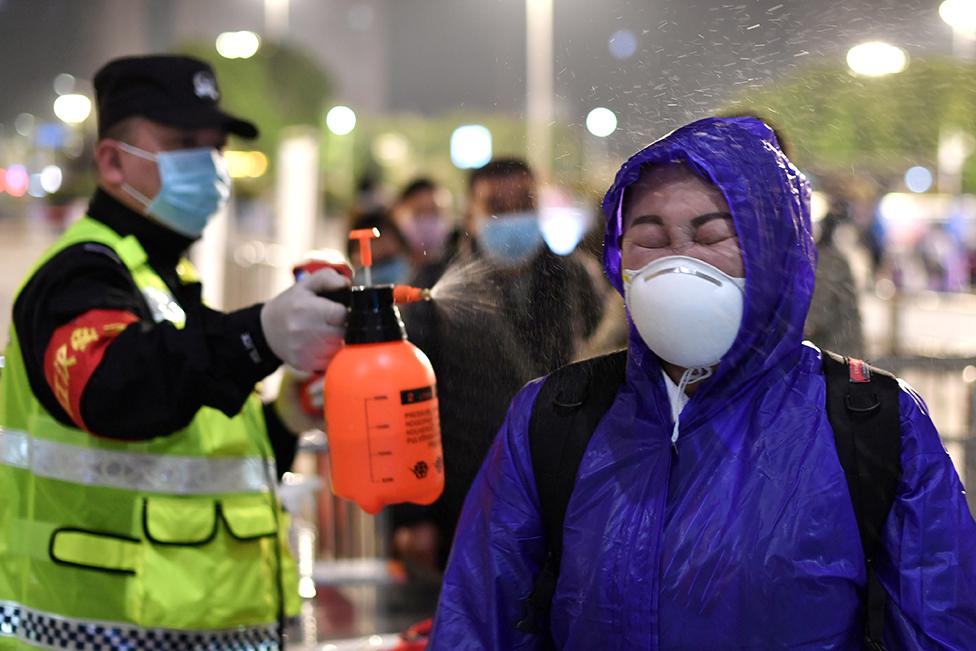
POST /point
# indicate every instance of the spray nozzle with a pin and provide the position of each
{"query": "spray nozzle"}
(403, 294)
(364, 235)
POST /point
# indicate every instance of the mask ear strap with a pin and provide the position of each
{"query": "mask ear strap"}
(136, 151)
(690, 376)
(128, 189)
(138, 196)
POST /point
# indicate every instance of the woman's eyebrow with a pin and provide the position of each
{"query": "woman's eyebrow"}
(696, 222)
(704, 219)
(647, 219)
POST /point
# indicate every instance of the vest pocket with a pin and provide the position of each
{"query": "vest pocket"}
(210, 562)
(95, 551)
(186, 521)
(249, 517)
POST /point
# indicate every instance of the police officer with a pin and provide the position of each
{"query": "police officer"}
(136, 462)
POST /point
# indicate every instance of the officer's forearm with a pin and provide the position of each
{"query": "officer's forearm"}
(154, 378)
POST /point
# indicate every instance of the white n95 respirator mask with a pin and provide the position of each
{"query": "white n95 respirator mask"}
(686, 311)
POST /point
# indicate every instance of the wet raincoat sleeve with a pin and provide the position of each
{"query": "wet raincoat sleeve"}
(929, 570)
(498, 549)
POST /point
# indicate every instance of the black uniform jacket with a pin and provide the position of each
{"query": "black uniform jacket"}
(153, 378)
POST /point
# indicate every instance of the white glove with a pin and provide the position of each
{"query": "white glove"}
(305, 330)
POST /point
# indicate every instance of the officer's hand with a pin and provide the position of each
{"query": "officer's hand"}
(305, 330)
(299, 402)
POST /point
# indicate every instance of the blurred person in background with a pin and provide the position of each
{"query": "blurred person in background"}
(874, 237)
(139, 501)
(704, 490)
(552, 301)
(611, 332)
(513, 311)
(834, 319)
(391, 251)
(944, 259)
(431, 233)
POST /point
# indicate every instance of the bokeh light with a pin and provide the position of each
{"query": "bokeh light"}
(959, 14)
(562, 228)
(17, 179)
(24, 124)
(601, 122)
(341, 120)
(238, 45)
(876, 59)
(622, 44)
(72, 108)
(391, 148)
(51, 178)
(64, 84)
(245, 164)
(470, 146)
(918, 179)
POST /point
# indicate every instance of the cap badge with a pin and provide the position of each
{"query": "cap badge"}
(204, 85)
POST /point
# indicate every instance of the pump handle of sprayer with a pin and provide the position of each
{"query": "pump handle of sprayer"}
(365, 236)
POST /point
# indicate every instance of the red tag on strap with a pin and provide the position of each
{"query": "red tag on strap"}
(859, 371)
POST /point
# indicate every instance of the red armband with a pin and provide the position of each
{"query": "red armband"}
(75, 351)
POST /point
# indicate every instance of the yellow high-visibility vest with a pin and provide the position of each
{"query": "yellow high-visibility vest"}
(168, 543)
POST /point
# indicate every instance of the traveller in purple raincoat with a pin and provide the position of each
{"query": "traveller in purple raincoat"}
(735, 529)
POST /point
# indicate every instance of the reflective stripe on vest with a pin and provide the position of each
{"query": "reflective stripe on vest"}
(151, 473)
(50, 631)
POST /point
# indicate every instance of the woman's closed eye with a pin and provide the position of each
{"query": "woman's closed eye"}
(714, 230)
(648, 236)
(709, 236)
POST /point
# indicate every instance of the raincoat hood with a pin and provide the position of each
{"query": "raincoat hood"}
(770, 205)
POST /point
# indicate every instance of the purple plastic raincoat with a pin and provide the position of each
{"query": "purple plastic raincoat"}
(746, 537)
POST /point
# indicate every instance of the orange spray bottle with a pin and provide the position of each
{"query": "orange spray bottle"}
(381, 409)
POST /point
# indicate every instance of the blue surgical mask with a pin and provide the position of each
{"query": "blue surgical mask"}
(194, 186)
(391, 271)
(511, 239)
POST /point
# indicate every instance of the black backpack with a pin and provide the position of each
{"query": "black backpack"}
(862, 406)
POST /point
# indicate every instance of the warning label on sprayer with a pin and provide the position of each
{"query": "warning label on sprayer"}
(413, 396)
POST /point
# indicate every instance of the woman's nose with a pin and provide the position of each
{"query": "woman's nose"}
(680, 245)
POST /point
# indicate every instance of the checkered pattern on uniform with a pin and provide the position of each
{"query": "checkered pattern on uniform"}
(53, 632)
(9, 619)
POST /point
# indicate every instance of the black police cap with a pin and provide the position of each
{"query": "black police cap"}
(177, 91)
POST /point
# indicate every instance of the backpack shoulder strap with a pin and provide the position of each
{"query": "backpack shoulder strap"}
(863, 409)
(569, 406)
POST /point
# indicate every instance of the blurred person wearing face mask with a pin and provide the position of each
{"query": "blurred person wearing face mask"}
(552, 301)
(503, 217)
(709, 504)
(529, 312)
(432, 236)
(132, 404)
